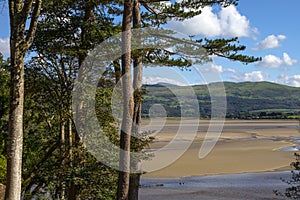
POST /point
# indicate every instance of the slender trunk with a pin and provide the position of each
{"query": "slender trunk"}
(74, 191)
(62, 155)
(89, 17)
(134, 183)
(124, 161)
(79, 117)
(137, 86)
(19, 12)
(70, 139)
(62, 140)
(15, 127)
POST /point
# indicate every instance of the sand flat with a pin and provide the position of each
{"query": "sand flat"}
(244, 146)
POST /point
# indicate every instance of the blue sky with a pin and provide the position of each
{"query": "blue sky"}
(268, 28)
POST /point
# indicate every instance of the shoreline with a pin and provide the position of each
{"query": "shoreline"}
(156, 181)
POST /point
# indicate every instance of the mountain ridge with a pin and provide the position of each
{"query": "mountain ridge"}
(224, 82)
(243, 99)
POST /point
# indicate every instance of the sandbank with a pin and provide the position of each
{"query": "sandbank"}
(243, 146)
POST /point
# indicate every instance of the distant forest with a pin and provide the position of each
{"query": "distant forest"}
(245, 100)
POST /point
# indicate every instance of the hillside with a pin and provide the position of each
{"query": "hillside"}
(244, 100)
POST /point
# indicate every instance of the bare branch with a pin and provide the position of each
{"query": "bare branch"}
(149, 8)
(33, 22)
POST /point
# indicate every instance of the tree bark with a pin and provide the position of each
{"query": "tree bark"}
(70, 124)
(15, 129)
(124, 160)
(137, 86)
(62, 156)
(19, 12)
(89, 17)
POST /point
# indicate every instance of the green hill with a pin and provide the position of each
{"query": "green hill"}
(244, 100)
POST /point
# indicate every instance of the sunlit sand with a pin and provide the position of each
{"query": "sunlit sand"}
(243, 146)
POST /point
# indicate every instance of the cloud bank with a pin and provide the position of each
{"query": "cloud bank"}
(228, 23)
(217, 69)
(271, 61)
(251, 76)
(270, 42)
(289, 80)
(235, 75)
(151, 80)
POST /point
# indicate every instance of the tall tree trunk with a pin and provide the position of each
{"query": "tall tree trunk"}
(74, 191)
(137, 86)
(62, 138)
(89, 17)
(19, 11)
(15, 137)
(62, 156)
(124, 161)
(70, 123)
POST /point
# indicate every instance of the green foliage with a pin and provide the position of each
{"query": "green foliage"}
(227, 48)
(157, 13)
(2, 169)
(244, 100)
(52, 166)
(293, 190)
(4, 107)
(46, 166)
(74, 27)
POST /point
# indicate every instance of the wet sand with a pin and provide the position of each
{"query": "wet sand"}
(247, 186)
(246, 163)
(244, 146)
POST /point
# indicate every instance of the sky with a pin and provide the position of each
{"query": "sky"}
(268, 29)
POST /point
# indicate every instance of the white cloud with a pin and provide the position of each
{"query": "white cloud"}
(228, 22)
(230, 70)
(233, 23)
(271, 61)
(281, 37)
(4, 46)
(217, 68)
(270, 42)
(207, 24)
(251, 76)
(151, 80)
(290, 80)
(288, 61)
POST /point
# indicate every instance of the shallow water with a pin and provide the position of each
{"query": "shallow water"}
(254, 186)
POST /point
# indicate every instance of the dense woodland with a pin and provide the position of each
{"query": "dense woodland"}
(42, 156)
